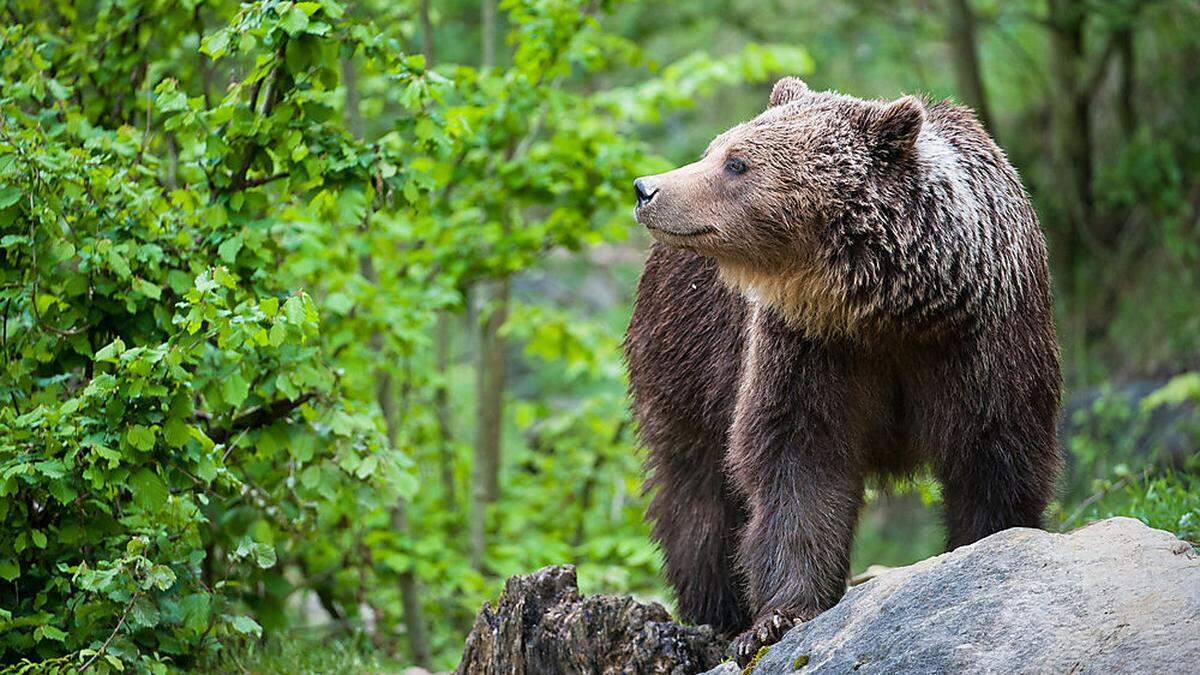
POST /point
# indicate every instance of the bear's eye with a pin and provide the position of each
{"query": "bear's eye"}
(736, 166)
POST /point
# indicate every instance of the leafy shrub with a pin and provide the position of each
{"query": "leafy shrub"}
(175, 426)
(228, 232)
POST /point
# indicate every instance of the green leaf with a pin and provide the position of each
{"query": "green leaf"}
(147, 289)
(111, 351)
(245, 625)
(333, 9)
(52, 633)
(235, 389)
(171, 99)
(9, 569)
(140, 437)
(222, 276)
(194, 612)
(339, 303)
(57, 89)
(162, 577)
(269, 307)
(367, 467)
(149, 491)
(176, 432)
(1179, 389)
(278, 334)
(144, 612)
(9, 194)
(264, 555)
(215, 45)
(293, 309)
(62, 491)
(229, 248)
(295, 21)
(117, 263)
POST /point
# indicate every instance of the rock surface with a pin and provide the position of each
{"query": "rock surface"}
(541, 626)
(1115, 596)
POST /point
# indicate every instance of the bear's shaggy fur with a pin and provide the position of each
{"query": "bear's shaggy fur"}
(841, 289)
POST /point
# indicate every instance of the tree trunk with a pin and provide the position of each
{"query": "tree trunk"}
(426, 34)
(1128, 83)
(489, 394)
(967, 73)
(485, 481)
(441, 402)
(442, 336)
(487, 16)
(491, 384)
(1071, 125)
(410, 595)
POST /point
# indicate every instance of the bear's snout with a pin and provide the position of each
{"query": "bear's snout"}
(644, 192)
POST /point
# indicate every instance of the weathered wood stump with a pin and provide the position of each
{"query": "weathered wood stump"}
(542, 626)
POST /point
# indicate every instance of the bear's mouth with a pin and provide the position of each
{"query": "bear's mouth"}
(673, 233)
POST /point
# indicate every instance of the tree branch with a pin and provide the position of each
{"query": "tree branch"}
(258, 182)
(261, 416)
(239, 178)
(113, 634)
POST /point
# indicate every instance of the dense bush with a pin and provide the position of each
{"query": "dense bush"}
(229, 234)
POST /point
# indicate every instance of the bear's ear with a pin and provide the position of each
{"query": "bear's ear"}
(787, 90)
(896, 126)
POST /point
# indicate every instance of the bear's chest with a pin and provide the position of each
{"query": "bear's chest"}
(794, 390)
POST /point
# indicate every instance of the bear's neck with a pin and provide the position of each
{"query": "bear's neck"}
(808, 298)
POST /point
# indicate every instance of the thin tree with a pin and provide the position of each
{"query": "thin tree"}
(1070, 123)
(964, 43)
(410, 593)
(443, 334)
(493, 301)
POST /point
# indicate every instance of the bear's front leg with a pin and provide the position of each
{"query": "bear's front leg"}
(793, 456)
(795, 550)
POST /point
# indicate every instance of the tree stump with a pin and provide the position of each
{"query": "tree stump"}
(542, 626)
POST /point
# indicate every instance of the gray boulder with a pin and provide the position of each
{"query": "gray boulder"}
(1114, 596)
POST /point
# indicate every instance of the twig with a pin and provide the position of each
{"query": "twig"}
(258, 182)
(239, 179)
(113, 634)
(260, 416)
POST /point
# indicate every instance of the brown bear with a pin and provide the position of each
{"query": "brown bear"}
(841, 289)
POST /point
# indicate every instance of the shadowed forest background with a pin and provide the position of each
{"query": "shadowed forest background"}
(311, 311)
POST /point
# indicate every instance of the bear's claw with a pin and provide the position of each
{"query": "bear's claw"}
(766, 631)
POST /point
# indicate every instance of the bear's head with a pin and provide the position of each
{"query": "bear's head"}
(770, 199)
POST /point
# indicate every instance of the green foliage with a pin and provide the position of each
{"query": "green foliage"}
(228, 232)
(239, 245)
(176, 433)
(1170, 501)
(1118, 473)
(304, 653)
(1115, 433)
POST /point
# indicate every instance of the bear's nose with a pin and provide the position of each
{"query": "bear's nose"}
(644, 192)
